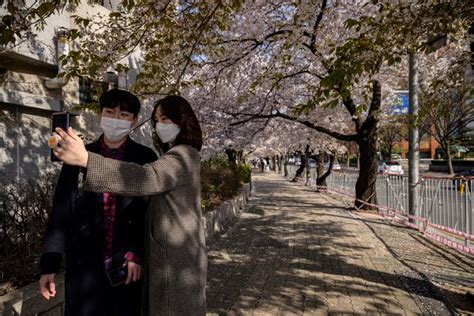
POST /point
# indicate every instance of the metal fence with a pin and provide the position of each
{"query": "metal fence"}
(446, 205)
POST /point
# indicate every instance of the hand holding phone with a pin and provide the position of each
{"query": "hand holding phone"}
(62, 120)
(118, 276)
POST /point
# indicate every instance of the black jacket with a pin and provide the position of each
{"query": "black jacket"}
(76, 229)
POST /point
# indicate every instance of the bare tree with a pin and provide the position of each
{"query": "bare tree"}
(389, 136)
(446, 104)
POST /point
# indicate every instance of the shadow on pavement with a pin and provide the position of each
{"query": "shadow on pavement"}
(274, 261)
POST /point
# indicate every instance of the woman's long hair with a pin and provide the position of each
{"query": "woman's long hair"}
(179, 111)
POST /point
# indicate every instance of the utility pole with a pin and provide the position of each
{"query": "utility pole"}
(413, 136)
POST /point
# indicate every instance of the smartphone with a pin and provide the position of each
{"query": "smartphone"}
(62, 120)
(118, 276)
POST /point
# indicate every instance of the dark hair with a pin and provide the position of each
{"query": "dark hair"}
(178, 110)
(120, 98)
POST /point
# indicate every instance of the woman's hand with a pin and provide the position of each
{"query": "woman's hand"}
(71, 150)
(135, 272)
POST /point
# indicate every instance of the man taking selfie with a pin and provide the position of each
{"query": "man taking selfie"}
(101, 235)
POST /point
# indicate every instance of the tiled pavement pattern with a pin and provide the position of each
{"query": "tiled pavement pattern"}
(451, 272)
(296, 252)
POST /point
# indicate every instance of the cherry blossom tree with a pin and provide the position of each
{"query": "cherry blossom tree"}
(262, 60)
(317, 63)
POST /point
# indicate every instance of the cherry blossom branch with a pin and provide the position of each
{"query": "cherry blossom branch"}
(309, 124)
(201, 29)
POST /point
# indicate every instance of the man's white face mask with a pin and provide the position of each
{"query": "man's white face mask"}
(167, 132)
(115, 129)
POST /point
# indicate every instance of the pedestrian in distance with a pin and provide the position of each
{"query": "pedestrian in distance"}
(99, 234)
(176, 259)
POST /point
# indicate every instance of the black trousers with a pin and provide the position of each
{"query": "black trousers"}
(123, 300)
(88, 293)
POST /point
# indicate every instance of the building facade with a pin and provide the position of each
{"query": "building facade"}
(30, 93)
(428, 145)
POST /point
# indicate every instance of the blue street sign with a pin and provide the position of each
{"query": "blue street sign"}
(400, 105)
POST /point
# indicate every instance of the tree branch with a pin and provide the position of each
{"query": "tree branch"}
(312, 44)
(372, 118)
(376, 98)
(201, 28)
(351, 108)
(318, 128)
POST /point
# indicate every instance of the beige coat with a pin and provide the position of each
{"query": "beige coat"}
(175, 273)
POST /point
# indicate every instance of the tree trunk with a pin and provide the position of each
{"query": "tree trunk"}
(308, 170)
(321, 181)
(285, 166)
(281, 161)
(320, 165)
(449, 158)
(300, 170)
(365, 185)
(231, 155)
(367, 140)
(240, 156)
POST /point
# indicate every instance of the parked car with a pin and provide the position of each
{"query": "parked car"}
(391, 167)
(396, 157)
(335, 165)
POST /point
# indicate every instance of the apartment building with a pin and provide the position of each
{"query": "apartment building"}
(30, 93)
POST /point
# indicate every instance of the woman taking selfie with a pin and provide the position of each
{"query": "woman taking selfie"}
(176, 260)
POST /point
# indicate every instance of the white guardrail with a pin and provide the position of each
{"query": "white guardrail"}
(446, 204)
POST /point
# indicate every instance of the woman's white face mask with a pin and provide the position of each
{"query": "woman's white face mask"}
(167, 132)
(115, 129)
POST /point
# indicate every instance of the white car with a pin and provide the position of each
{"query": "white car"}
(335, 165)
(391, 167)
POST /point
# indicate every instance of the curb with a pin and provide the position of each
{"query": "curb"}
(219, 220)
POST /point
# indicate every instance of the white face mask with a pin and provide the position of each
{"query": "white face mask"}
(115, 129)
(167, 132)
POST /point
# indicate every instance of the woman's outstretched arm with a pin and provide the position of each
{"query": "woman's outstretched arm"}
(130, 179)
(108, 175)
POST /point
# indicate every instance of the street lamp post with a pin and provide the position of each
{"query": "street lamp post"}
(414, 137)
(433, 44)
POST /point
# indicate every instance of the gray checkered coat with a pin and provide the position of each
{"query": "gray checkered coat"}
(175, 273)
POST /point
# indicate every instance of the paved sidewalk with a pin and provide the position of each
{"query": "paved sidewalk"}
(298, 252)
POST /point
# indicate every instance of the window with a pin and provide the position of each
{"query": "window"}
(89, 93)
